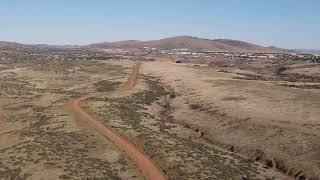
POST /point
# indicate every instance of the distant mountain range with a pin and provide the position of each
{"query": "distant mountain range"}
(189, 42)
(192, 43)
(308, 51)
(16, 46)
(9, 45)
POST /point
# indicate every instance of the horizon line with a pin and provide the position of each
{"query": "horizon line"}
(144, 40)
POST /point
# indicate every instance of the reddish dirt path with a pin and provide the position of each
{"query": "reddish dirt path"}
(149, 169)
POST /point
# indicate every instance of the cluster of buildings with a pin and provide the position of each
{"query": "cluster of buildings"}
(211, 54)
(185, 53)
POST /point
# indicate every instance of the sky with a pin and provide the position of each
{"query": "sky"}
(281, 23)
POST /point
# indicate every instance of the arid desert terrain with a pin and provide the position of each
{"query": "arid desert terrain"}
(150, 117)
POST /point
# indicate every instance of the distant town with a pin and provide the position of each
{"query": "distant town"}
(184, 54)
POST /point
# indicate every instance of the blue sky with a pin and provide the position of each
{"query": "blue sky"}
(283, 23)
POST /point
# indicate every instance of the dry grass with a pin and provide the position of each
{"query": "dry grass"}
(197, 123)
(40, 139)
(251, 114)
(180, 151)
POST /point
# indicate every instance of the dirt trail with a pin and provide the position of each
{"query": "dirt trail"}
(149, 169)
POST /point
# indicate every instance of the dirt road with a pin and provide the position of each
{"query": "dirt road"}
(149, 169)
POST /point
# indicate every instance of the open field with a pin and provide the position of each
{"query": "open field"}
(41, 139)
(245, 121)
(265, 118)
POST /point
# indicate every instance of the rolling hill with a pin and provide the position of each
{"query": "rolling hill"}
(219, 45)
(10, 45)
(5, 46)
(191, 43)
